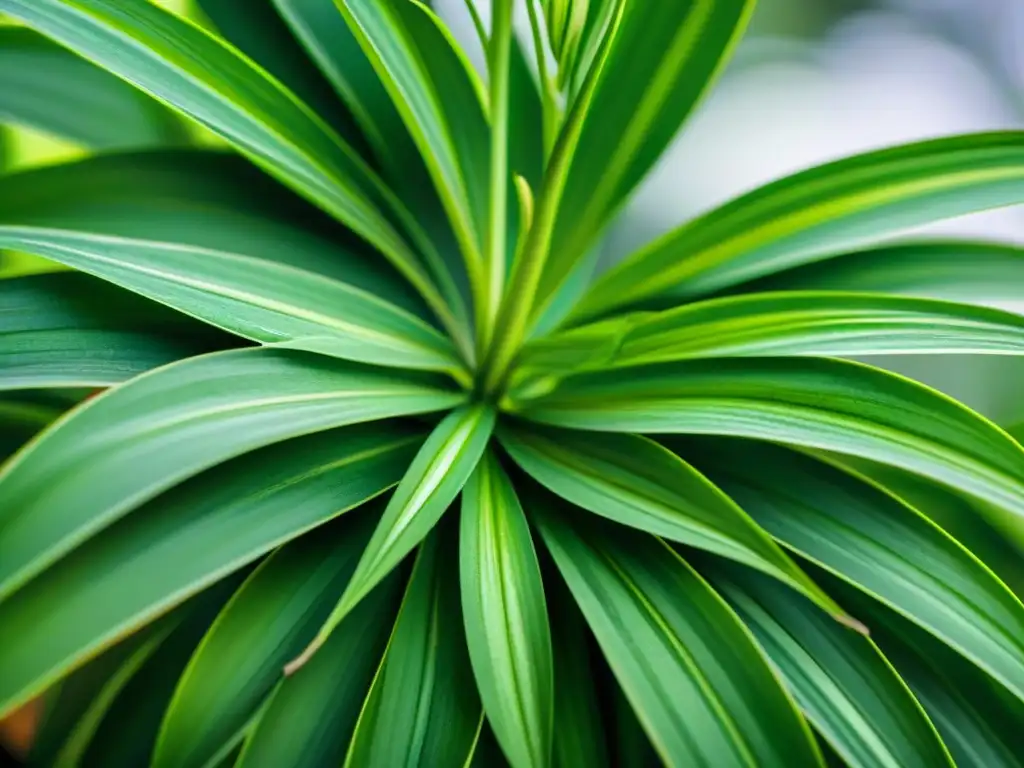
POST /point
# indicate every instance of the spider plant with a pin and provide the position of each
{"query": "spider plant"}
(385, 472)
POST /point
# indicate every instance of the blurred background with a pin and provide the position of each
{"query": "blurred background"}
(812, 81)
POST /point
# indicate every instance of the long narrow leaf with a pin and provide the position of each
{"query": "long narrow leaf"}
(48, 88)
(699, 685)
(434, 479)
(802, 218)
(828, 404)
(175, 546)
(65, 329)
(636, 482)
(880, 545)
(135, 441)
(506, 616)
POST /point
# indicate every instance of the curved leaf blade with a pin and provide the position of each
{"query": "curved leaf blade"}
(636, 482)
(871, 539)
(506, 616)
(271, 617)
(433, 480)
(843, 683)
(661, 60)
(256, 299)
(985, 274)
(309, 719)
(827, 404)
(804, 217)
(65, 329)
(782, 324)
(688, 667)
(422, 708)
(133, 442)
(48, 88)
(172, 547)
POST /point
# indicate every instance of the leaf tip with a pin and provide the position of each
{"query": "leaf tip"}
(300, 661)
(848, 621)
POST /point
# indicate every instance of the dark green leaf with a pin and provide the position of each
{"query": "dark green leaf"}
(65, 329)
(178, 544)
(506, 616)
(423, 707)
(50, 89)
(804, 217)
(699, 685)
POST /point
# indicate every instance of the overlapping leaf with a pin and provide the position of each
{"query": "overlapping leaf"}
(133, 442)
(506, 616)
(802, 218)
(183, 541)
(693, 675)
(820, 403)
(66, 329)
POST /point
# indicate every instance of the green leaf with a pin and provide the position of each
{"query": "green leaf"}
(154, 195)
(580, 737)
(422, 708)
(844, 685)
(433, 480)
(309, 719)
(867, 537)
(506, 616)
(127, 734)
(140, 439)
(258, 30)
(174, 546)
(64, 329)
(662, 58)
(804, 217)
(691, 671)
(985, 274)
(979, 721)
(783, 324)
(257, 299)
(50, 89)
(196, 73)
(79, 703)
(632, 747)
(819, 403)
(269, 619)
(636, 482)
(440, 100)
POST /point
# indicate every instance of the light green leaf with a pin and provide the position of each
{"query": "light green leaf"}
(783, 324)
(818, 403)
(690, 670)
(440, 100)
(258, 30)
(64, 329)
(433, 480)
(844, 685)
(979, 721)
(196, 73)
(269, 619)
(50, 89)
(256, 299)
(636, 482)
(864, 535)
(140, 439)
(309, 719)
(506, 616)
(987, 274)
(422, 708)
(180, 543)
(661, 60)
(154, 195)
(804, 217)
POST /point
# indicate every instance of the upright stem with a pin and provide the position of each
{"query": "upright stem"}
(550, 111)
(499, 51)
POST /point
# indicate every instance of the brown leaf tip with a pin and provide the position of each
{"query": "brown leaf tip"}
(298, 662)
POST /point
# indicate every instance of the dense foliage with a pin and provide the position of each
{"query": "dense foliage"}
(391, 469)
